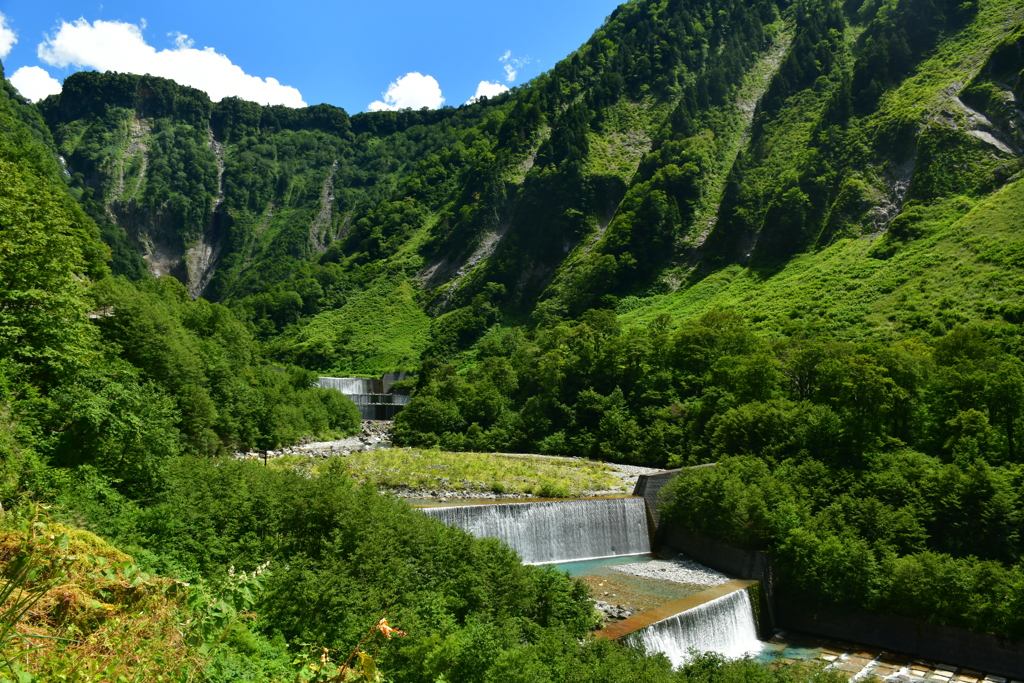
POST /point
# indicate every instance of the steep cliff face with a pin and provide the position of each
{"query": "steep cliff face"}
(849, 135)
(683, 137)
(565, 148)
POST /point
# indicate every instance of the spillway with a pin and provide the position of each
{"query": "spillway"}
(557, 531)
(724, 625)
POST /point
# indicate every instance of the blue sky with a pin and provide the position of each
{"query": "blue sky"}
(344, 53)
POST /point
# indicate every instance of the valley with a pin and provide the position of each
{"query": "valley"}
(734, 291)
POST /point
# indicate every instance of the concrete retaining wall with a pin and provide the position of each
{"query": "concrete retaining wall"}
(389, 378)
(745, 564)
(377, 411)
(649, 486)
(353, 385)
(948, 644)
(723, 557)
(892, 633)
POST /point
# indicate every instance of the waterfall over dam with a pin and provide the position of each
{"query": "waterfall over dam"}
(373, 397)
(557, 531)
(724, 625)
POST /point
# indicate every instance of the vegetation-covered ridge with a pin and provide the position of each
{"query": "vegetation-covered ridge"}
(289, 213)
(817, 426)
(97, 370)
(130, 551)
(681, 142)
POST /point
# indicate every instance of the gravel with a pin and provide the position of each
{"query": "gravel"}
(634, 470)
(677, 570)
(372, 435)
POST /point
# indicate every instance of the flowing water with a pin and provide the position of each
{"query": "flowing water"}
(724, 625)
(352, 385)
(557, 531)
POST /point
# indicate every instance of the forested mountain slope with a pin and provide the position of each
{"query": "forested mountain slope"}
(97, 371)
(113, 398)
(818, 167)
(785, 237)
(680, 139)
(293, 212)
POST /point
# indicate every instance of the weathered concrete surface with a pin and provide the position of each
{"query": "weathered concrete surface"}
(746, 564)
(649, 486)
(911, 636)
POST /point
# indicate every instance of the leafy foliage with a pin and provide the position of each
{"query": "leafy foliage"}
(888, 537)
(124, 377)
(680, 134)
(482, 473)
(773, 235)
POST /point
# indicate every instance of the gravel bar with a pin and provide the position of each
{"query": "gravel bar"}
(677, 570)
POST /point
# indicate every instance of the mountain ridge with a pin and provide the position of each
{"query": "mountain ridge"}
(745, 141)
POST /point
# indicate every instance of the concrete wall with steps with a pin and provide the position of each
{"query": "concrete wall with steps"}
(370, 395)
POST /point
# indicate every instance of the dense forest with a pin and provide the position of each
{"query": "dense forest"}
(131, 550)
(784, 237)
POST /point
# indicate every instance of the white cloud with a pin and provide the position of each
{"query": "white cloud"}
(413, 91)
(7, 37)
(34, 82)
(486, 89)
(120, 46)
(512, 65)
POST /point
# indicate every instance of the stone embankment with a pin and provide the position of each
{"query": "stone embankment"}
(372, 434)
(441, 495)
(627, 474)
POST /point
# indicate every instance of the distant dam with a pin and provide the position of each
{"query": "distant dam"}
(373, 397)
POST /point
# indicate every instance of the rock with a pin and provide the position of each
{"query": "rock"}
(616, 612)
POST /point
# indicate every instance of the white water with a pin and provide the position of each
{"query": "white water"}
(557, 531)
(724, 625)
(352, 385)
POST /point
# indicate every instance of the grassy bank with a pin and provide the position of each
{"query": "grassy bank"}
(424, 469)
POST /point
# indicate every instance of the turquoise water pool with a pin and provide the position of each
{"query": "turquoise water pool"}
(600, 566)
(608, 585)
